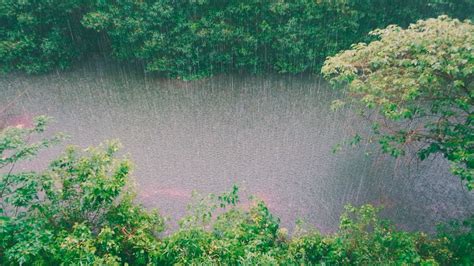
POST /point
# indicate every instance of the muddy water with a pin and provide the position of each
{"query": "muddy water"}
(271, 135)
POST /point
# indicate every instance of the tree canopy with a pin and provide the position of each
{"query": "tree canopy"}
(416, 86)
(194, 39)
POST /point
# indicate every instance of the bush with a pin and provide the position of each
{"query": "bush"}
(79, 211)
(82, 211)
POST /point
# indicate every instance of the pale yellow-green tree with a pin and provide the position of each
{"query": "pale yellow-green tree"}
(416, 86)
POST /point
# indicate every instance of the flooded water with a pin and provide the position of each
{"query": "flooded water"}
(271, 135)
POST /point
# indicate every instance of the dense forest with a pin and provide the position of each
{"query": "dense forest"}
(193, 39)
(407, 67)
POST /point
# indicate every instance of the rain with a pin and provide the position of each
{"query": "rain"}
(272, 135)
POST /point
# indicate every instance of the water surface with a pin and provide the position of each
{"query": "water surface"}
(272, 135)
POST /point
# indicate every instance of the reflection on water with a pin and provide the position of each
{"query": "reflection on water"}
(272, 135)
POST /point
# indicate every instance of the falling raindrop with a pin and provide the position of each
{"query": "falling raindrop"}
(271, 134)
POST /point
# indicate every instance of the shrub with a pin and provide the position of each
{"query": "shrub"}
(82, 211)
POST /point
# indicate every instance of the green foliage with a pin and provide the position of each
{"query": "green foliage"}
(194, 39)
(459, 239)
(38, 36)
(225, 239)
(17, 190)
(81, 211)
(366, 239)
(417, 87)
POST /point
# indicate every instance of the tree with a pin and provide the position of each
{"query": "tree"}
(416, 86)
(79, 211)
(40, 36)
